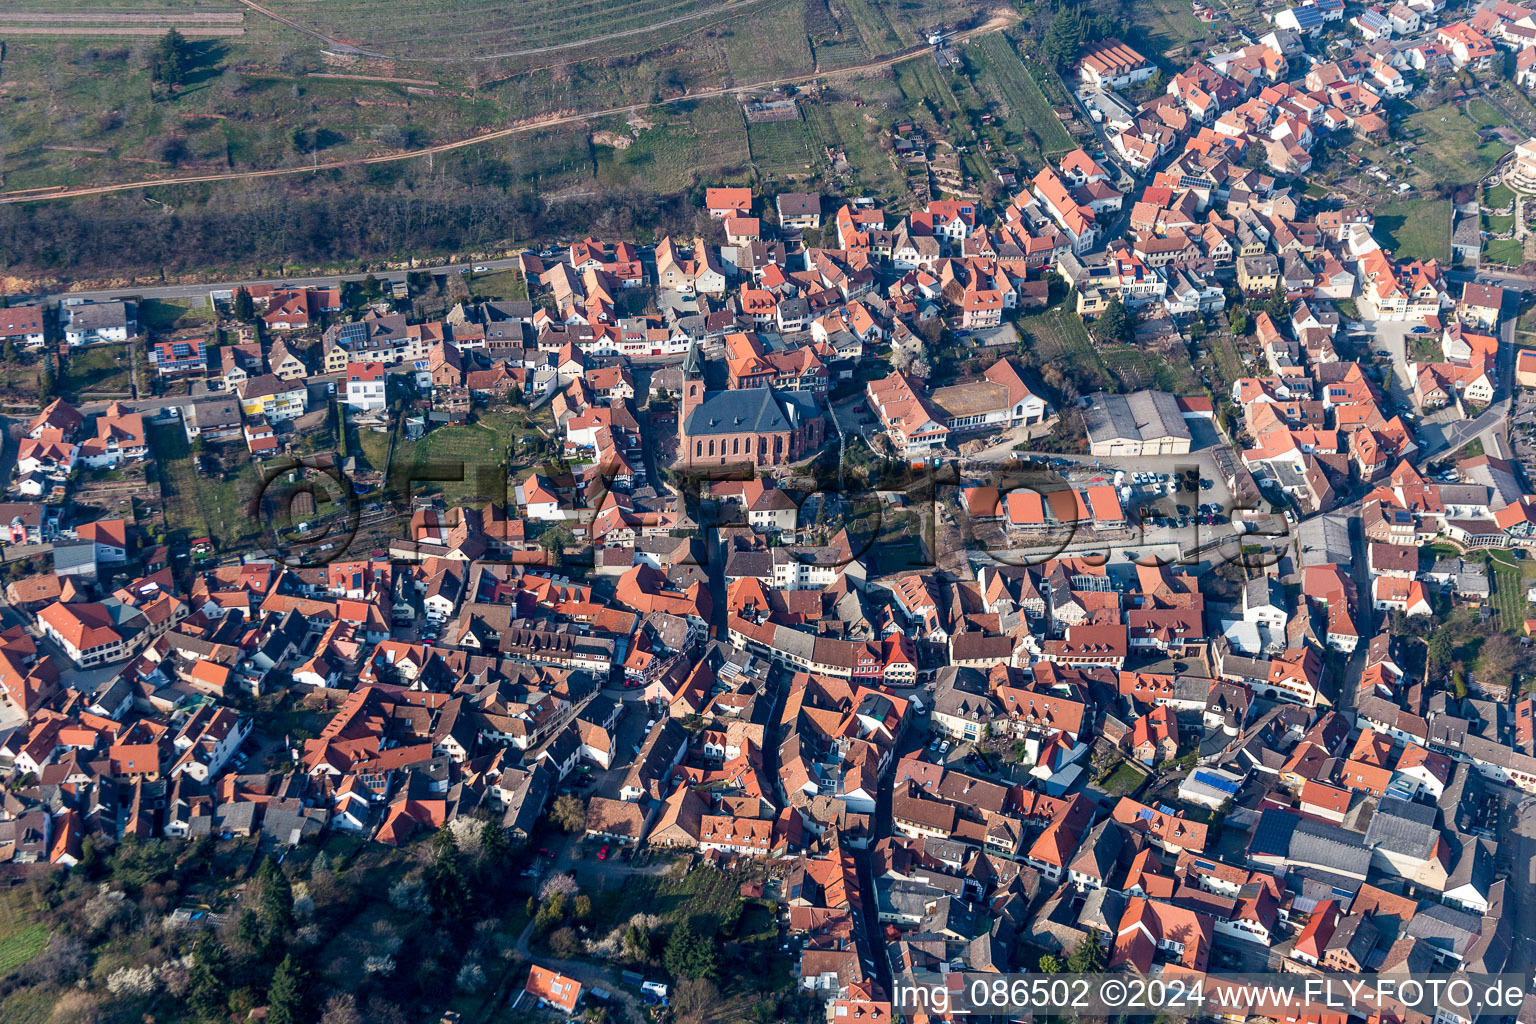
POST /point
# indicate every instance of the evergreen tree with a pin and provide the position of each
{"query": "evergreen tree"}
(170, 60)
(248, 931)
(276, 905)
(46, 380)
(244, 307)
(1277, 305)
(1115, 324)
(1088, 957)
(447, 887)
(1064, 37)
(205, 987)
(689, 955)
(285, 996)
(494, 846)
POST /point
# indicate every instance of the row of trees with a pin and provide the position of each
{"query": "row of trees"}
(369, 214)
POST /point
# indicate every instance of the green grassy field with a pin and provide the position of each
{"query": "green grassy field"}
(168, 315)
(1504, 250)
(97, 368)
(477, 452)
(80, 108)
(1498, 196)
(1416, 228)
(202, 506)
(834, 35)
(506, 285)
(468, 28)
(1164, 25)
(1448, 149)
(842, 125)
(1124, 780)
(1498, 223)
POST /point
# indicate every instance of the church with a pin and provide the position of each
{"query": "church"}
(762, 426)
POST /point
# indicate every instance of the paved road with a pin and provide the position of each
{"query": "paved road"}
(1517, 854)
(200, 291)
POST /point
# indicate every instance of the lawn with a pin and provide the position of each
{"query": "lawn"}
(1498, 223)
(465, 464)
(483, 27)
(1164, 24)
(1447, 146)
(1504, 250)
(1223, 349)
(845, 126)
(97, 368)
(1124, 780)
(202, 506)
(506, 285)
(169, 315)
(1498, 196)
(700, 896)
(1416, 228)
(671, 148)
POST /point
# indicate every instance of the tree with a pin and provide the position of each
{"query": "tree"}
(447, 887)
(248, 931)
(276, 903)
(285, 996)
(1116, 324)
(1439, 649)
(1050, 964)
(1064, 37)
(341, 1009)
(637, 942)
(569, 813)
(46, 380)
(1088, 957)
(243, 307)
(689, 955)
(694, 999)
(1237, 319)
(205, 993)
(494, 846)
(170, 60)
(1501, 658)
(1277, 305)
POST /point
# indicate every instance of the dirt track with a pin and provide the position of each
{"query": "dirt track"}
(39, 194)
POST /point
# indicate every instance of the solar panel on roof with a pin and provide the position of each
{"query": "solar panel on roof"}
(1145, 814)
(1165, 809)
(1216, 781)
